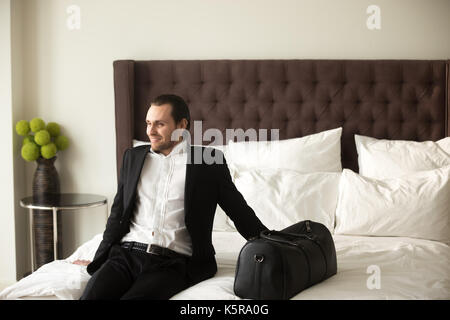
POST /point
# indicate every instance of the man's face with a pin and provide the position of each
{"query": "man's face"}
(160, 126)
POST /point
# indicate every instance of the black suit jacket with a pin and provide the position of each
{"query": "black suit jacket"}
(206, 186)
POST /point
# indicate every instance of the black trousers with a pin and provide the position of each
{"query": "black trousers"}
(135, 275)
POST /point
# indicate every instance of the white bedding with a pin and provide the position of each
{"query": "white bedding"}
(408, 268)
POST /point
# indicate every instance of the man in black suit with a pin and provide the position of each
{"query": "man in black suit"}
(157, 240)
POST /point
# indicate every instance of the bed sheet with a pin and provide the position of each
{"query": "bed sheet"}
(406, 268)
(368, 268)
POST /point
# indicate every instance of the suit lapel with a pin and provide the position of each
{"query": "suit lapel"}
(191, 172)
(136, 167)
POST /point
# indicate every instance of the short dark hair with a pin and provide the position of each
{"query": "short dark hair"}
(180, 109)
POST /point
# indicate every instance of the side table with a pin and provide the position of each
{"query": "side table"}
(63, 201)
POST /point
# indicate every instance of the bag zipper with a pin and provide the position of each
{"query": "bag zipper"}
(316, 241)
(308, 227)
(257, 277)
(307, 262)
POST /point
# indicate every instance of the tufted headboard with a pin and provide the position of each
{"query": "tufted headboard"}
(391, 99)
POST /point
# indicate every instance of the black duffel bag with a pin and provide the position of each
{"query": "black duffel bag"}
(280, 264)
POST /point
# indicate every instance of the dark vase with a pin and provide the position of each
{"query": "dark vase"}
(45, 190)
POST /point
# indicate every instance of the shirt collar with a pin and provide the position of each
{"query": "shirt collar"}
(180, 148)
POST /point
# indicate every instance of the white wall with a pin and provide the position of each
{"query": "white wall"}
(7, 240)
(67, 75)
(21, 216)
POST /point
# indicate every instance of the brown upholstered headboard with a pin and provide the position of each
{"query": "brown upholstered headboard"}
(391, 99)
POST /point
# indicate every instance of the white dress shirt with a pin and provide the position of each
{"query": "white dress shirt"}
(159, 211)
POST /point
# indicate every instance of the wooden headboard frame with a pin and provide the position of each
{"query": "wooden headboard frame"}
(390, 99)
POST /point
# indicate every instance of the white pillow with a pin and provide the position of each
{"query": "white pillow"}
(281, 198)
(381, 158)
(415, 205)
(444, 144)
(319, 152)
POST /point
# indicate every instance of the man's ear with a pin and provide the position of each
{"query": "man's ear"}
(182, 124)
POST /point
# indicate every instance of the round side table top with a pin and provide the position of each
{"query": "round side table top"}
(64, 201)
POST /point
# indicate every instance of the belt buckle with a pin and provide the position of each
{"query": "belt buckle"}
(149, 250)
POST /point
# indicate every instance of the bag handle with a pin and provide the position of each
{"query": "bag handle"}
(267, 234)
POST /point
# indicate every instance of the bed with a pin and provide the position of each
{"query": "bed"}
(388, 100)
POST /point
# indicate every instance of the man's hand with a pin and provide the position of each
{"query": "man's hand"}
(82, 262)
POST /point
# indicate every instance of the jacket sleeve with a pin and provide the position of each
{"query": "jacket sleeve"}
(235, 206)
(113, 224)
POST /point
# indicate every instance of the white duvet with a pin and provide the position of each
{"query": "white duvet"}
(368, 268)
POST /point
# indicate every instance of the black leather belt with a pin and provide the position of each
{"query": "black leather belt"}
(152, 249)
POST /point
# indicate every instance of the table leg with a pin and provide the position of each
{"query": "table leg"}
(32, 240)
(55, 233)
